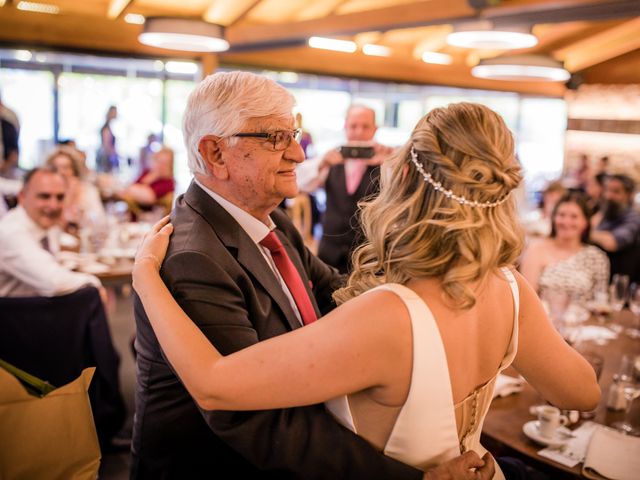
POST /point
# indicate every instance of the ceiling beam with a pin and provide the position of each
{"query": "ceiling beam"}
(116, 7)
(601, 47)
(37, 30)
(414, 14)
(620, 70)
(559, 11)
(422, 13)
(228, 13)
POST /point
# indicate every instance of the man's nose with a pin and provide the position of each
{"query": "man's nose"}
(55, 203)
(294, 152)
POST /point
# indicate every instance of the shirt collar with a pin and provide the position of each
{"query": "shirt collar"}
(32, 227)
(251, 225)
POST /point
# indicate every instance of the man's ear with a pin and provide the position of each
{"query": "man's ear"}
(209, 148)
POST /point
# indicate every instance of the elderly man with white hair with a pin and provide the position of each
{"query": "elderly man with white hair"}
(240, 270)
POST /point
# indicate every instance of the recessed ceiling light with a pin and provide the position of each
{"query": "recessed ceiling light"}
(492, 39)
(333, 44)
(134, 18)
(23, 55)
(288, 77)
(188, 68)
(38, 7)
(376, 50)
(437, 58)
(183, 34)
(521, 68)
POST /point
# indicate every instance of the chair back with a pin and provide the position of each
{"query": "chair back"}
(55, 338)
(299, 211)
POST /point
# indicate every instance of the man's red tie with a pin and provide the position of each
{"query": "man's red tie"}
(290, 276)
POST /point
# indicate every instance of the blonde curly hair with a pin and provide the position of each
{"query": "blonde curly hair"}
(414, 231)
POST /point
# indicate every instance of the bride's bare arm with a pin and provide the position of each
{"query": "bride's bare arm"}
(549, 364)
(346, 351)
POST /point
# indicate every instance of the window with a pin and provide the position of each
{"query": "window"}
(29, 93)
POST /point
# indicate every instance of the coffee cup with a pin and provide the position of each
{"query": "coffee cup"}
(549, 419)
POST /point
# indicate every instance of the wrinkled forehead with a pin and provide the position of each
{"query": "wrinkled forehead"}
(270, 123)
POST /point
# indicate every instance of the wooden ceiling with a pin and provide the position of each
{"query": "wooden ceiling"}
(599, 40)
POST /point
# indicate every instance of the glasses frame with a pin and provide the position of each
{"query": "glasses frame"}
(272, 137)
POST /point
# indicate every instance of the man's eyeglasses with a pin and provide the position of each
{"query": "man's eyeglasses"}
(279, 140)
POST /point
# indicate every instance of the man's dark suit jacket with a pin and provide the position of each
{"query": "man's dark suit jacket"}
(341, 231)
(222, 281)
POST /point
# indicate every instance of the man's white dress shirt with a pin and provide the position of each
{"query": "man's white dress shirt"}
(26, 268)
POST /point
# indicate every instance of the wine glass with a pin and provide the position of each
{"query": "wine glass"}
(618, 291)
(557, 302)
(634, 306)
(628, 380)
(597, 363)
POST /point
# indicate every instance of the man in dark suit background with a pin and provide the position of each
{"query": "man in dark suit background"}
(243, 152)
(346, 181)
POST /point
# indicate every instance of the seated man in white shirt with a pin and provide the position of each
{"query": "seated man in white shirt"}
(29, 240)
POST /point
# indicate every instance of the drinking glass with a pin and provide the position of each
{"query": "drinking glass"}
(597, 363)
(628, 379)
(618, 291)
(557, 302)
(634, 306)
(631, 389)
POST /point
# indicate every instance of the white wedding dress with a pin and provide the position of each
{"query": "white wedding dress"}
(429, 428)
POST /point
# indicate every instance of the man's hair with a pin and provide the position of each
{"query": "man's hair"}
(26, 180)
(627, 182)
(355, 106)
(222, 103)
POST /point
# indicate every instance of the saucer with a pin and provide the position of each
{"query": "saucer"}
(560, 437)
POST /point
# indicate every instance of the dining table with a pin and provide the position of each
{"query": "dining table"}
(502, 432)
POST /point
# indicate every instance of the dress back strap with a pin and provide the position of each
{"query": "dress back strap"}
(515, 292)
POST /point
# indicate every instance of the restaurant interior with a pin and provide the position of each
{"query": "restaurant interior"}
(104, 84)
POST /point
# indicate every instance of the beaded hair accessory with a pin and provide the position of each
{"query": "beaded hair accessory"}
(437, 186)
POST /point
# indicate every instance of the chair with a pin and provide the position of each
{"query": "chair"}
(299, 211)
(163, 206)
(55, 338)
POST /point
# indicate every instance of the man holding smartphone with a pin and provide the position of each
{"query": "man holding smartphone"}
(348, 174)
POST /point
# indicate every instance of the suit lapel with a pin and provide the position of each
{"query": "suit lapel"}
(238, 242)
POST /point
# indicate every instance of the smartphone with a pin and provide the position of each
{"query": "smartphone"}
(356, 151)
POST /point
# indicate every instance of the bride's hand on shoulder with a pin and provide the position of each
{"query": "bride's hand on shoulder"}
(153, 248)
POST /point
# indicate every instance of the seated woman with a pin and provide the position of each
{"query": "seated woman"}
(154, 186)
(564, 261)
(82, 202)
(432, 312)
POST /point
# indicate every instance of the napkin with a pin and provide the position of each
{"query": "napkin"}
(612, 454)
(575, 450)
(506, 385)
(593, 332)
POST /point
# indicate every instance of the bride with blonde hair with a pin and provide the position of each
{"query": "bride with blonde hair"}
(431, 314)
